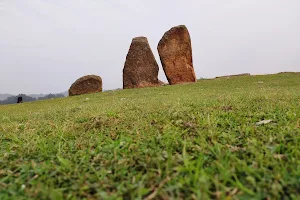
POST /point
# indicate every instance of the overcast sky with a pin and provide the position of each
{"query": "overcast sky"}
(45, 45)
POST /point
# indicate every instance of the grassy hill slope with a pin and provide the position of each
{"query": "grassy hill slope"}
(194, 141)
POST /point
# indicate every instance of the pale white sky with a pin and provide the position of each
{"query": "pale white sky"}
(45, 45)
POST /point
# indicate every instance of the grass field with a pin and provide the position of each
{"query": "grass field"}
(193, 141)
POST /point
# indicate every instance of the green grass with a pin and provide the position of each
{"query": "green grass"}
(193, 141)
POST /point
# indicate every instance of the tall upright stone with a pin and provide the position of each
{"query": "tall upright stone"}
(86, 85)
(140, 69)
(175, 51)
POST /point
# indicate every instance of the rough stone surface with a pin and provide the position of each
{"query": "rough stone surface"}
(175, 51)
(140, 69)
(85, 85)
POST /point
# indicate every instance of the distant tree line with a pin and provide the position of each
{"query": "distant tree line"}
(51, 96)
(14, 99)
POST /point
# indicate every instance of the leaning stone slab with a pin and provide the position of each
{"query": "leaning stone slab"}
(175, 51)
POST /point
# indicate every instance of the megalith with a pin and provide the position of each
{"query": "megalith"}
(140, 69)
(175, 51)
(85, 85)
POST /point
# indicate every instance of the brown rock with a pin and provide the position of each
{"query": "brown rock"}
(175, 51)
(140, 69)
(85, 85)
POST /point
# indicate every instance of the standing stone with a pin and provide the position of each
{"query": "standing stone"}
(175, 51)
(140, 69)
(85, 85)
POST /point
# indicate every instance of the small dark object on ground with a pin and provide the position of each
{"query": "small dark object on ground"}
(20, 100)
